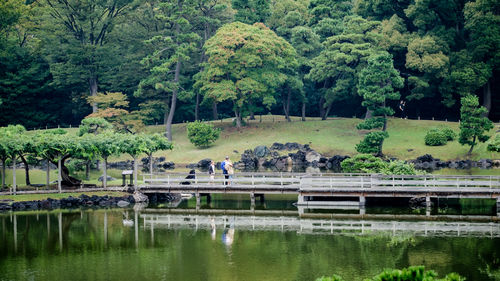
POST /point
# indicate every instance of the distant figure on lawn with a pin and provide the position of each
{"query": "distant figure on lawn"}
(402, 105)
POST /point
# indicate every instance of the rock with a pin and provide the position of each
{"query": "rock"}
(426, 158)
(122, 203)
(261, 151)
(496, 163)
(334, 162)
(139, 197)
(204, 163)
(312, 156)
(167, 165)
(293, 146)
(277, 146)
(108, 178)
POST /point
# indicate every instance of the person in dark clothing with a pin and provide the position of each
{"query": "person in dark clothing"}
(224, 170)
(191, 176)
(211, 171)
(401, 107)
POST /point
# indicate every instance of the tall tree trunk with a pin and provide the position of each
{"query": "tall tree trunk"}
(173, 101)
(321, 107)
(472, 146)
(26, 170)
(197, 107)
(3, 173)
(384, 128)
(368, 114)
(237, 114)
(87, 169)
(327, 111)
(105, 168)
(286, 104)
(14, 184)
(214, 111)
(47, 176)
(93, 90)
(250, 108)
(487, 97)
(59, 174)
(304, 110)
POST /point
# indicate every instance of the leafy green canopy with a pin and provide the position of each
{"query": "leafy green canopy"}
(473, 124)
(202, 134)
(245, 63)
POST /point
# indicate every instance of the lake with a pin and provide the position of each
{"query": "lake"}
(228, 241)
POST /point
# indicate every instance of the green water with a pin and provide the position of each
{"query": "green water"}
(181, 245)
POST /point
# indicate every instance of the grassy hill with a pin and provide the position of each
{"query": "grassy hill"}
(329, 137)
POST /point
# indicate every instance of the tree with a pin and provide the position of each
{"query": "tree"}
(171, 50)
(482, 21)
(107, 144)
(12, 147)
(377, 84)
(93, 125)
(156, 142)
(336, 67)
(245, 64)
(134, 145)
(473, 124)
(87, 25)
(251, 11)
(42, 148)
(202, 134)
(113, 108)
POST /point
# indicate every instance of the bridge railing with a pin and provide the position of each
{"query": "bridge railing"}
(307, 182)
(398, 181)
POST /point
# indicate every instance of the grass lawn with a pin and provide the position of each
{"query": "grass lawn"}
(329, 137)
(31, 197)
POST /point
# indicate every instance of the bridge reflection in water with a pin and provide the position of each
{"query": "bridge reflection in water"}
(454, 226)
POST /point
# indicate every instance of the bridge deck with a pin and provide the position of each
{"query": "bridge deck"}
(346, 185)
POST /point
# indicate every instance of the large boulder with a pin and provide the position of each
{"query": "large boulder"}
(108, 178)
(139, 197)
(261, 151)
(293, 146)
(277, 146)
(204, 163)
(312, 156)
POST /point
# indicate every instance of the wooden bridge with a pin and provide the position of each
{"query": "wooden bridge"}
(328, 188)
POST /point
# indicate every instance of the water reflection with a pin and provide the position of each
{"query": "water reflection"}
(229, 244)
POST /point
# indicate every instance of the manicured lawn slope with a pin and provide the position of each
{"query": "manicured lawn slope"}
(329, 137)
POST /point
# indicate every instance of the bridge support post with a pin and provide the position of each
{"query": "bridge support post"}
(261, 197)
(301, 200)
(498, 206)
(198, 200)
(209, 198)
(428, 206)
(362, 201)
(252, 200)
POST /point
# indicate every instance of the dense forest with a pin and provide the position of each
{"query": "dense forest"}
(168, 61)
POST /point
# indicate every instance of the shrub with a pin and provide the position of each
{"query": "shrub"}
(202, 134)
(367, 163)
(399, 167)
(330, 278)
(363, 163)
(371, 142)
(435, 137)
(448, 132)
(494, 144)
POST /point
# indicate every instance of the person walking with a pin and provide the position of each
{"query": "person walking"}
(401, 107)
(211, 171)
(224, 170)
(230, 169)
